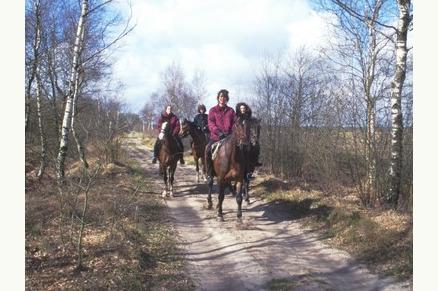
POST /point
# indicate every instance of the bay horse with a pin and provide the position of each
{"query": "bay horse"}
(198, 146)
(230, 163)
(168, 158)
(254, 150)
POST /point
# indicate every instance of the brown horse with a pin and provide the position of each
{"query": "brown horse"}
(168, 157)
(230, 164)
(198, 145)
(254, 150)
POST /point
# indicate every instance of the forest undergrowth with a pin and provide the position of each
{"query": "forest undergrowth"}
(129, 242)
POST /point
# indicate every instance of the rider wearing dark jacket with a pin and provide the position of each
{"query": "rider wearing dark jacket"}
(201, 121)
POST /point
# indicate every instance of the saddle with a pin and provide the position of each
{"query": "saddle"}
(215, 148)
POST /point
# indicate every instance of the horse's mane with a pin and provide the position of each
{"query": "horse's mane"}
(247, 135)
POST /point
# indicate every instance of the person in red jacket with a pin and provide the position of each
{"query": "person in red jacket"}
(221, 119)
(174, 127)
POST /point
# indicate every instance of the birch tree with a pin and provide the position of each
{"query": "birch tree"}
(92, 38)
(35, 76)
(72, 90)
(358, 47)
(404, 7)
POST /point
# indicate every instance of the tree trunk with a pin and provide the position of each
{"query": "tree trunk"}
(371, 116)
(396, 112)
(78, 141)
(43, 162)
(66, 122)
(34, 68)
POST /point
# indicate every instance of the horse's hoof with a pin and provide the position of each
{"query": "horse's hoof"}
(220, 219)
(239, 220)
(164, 194)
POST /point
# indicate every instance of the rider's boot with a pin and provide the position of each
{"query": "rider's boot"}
(209, 170)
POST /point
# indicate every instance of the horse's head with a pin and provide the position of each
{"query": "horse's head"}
(254, 132)
(165, 127)
(247, 131)
(184, 128)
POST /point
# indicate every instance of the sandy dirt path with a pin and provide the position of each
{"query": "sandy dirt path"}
(267, 245)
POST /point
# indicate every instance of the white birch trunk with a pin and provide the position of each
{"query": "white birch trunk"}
(371, 122)
(396, 92)
(79, 145)
(66, 122)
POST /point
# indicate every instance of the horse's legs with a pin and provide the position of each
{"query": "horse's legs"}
(197, 169)
(239, 201)
(220, 198)
(171, 177)
(204, 170)
(210, 190)
(231, 188)
(246, 190)
(164, 174)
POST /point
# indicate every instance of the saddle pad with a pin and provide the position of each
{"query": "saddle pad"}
(215, 149)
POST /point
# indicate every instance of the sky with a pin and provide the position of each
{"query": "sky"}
(223, 39)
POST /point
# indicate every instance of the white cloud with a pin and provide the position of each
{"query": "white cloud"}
(308, 31)
(223, 38)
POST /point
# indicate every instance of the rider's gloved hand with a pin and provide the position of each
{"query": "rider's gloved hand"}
(221, 134)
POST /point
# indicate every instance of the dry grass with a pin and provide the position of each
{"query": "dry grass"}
(380, 239)
(128, 244)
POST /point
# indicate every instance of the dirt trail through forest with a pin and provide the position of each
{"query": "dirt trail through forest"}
(267, 246)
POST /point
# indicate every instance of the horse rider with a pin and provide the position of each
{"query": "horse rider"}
(201, 121)
(174, 128)
(221, 119)
(244, 112)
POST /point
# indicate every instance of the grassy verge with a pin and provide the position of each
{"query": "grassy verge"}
(128, 245)
(380, 239)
